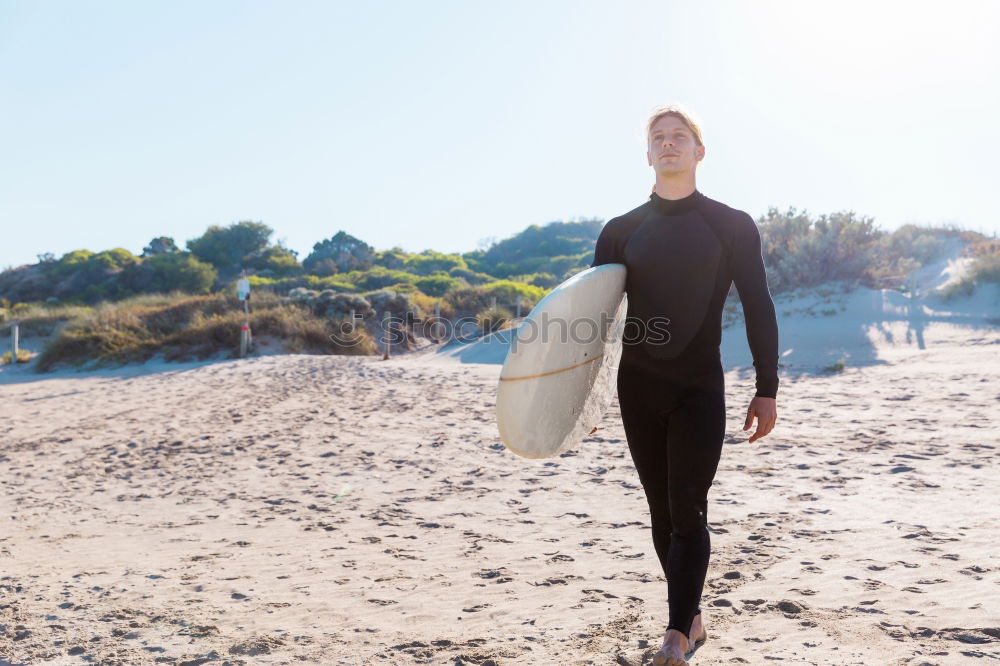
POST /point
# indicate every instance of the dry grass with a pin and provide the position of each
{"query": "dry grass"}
(23, 356)
(191, 327)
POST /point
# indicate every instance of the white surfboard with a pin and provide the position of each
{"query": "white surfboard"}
(560, 373)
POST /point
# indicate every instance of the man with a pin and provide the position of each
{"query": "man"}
(682, 252)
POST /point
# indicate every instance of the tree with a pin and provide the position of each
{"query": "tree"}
(229, 247)
(344, 250)
(160, 245)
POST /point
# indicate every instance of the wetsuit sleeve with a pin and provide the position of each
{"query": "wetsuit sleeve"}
(606, 249)
(758, 308)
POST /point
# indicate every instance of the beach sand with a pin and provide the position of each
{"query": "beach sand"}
(348, 510)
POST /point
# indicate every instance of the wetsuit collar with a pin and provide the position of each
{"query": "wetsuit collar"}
(675, 206)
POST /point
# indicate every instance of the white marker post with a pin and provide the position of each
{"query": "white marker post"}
(243, 291)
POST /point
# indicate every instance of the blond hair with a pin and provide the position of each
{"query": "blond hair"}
(678, 111)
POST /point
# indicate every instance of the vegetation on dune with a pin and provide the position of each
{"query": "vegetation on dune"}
(184, 327)
(803, 251)
(119, 307)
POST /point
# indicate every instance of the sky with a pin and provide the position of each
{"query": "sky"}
(444, 124)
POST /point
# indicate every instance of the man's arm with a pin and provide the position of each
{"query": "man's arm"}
(605, 250)
(758, 308)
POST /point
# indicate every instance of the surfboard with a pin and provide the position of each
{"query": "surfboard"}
(560, 373)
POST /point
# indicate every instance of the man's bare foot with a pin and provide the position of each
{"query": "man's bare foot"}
(676, 644)
(698, 633)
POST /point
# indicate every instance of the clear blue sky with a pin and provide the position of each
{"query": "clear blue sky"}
(438, 124)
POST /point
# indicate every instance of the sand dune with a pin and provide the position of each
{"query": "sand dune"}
(341, 510)
(346, 510)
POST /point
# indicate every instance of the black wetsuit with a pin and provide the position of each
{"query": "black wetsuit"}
(682, 256)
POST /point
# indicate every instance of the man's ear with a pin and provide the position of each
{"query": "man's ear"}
(649, 158)
(701, 153)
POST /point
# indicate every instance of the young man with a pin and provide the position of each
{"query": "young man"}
(683, 251)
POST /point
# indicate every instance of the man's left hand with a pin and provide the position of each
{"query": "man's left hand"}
(766, 411)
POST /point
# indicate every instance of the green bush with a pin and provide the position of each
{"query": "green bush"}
(471, 277)
(378, 277)
(493, 319)
(507, 291)
(543, 280)
(437, 285)
(429, 262)
(393, 258)
(23, 356)
(285, 285)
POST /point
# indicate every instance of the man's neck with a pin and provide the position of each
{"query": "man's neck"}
(674, 189)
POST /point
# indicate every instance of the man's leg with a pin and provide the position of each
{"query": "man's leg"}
(695, 432)
(642, 400)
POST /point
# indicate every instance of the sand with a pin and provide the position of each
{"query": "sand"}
(337, 510)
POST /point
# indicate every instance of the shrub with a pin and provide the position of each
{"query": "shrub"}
(507, 291)
(387, 300)
(472, 277)
(493, 319)
(429, 262)
(836, 366)
(986, 268)
(437, 285)
(467, 300)
(378, 277)
(23, 356)
(543, 280)
(393, 258)
(801, 252)
(284, 286)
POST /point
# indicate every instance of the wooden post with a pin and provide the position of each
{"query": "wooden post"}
(437, 321)
(13, 342)
(385, 339)
(246, 320)
(245, 331)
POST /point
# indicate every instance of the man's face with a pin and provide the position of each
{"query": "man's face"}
(672, 147)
